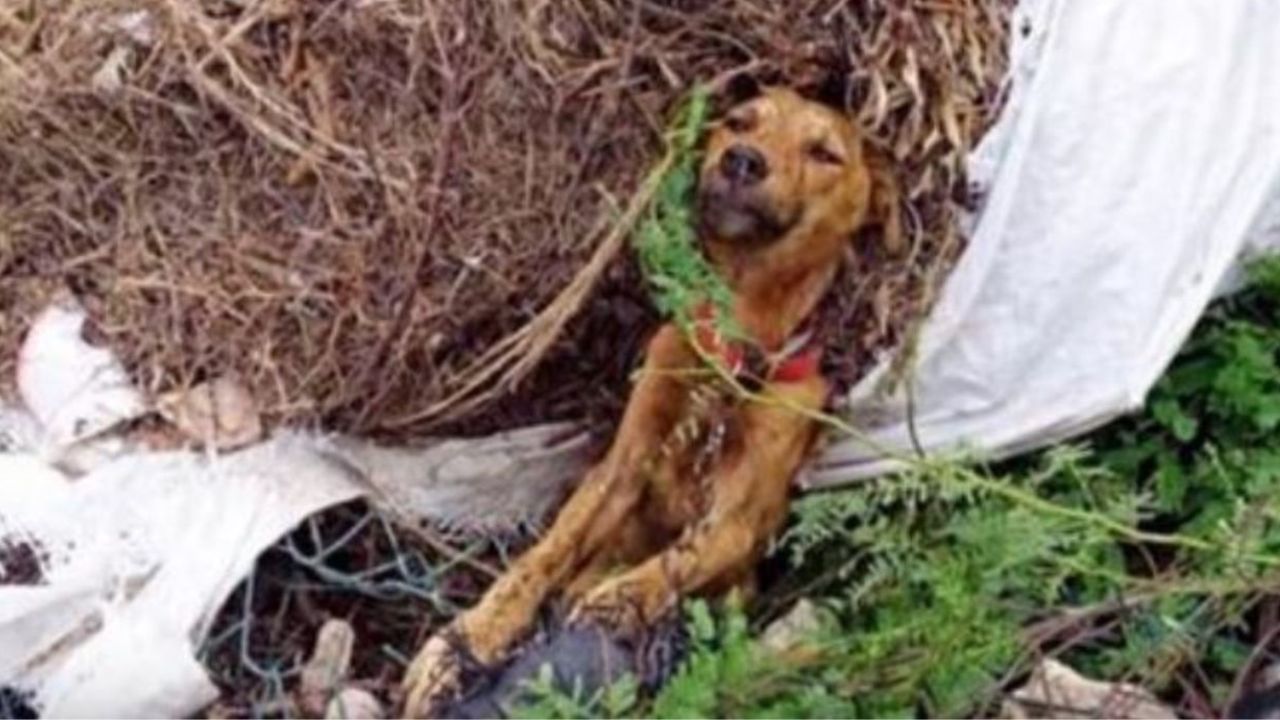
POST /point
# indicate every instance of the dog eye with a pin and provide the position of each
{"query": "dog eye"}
(738, 122)
(823, 154)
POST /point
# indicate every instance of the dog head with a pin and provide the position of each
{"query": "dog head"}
(778, 163)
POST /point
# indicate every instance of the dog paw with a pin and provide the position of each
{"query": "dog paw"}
(618, 606)
(435, 676)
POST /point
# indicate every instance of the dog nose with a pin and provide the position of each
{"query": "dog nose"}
(743, 164)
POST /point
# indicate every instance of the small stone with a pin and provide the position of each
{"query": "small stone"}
(800, 624)
(221, 413)
(353, 703)
(328, 666)
(1056, 691)
(1270, 676)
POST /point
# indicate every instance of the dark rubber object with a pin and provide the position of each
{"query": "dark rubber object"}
(583, 661)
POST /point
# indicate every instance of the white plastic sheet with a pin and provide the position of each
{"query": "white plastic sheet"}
(139, 554)
(1137, 162)
(114, 560)
(74, 391)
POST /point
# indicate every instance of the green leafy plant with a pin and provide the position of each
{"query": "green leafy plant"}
(665, 241)
(545, 699)
(1208, 440)
(728, 674)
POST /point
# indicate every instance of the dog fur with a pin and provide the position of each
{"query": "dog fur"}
(784, 186)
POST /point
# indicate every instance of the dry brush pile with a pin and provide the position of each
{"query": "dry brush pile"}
(405, 216)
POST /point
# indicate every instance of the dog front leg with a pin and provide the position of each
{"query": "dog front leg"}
(750, 492)
(595, 510)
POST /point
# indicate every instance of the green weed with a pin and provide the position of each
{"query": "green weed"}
(679, 276)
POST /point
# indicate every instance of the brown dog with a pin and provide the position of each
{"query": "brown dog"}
(784, 186)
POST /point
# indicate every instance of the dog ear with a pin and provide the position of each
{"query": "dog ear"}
(740, 88)
(733, 90)
(834, 86)
(886, 199)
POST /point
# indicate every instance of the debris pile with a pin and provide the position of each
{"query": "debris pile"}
(341, 215)
(346, 205)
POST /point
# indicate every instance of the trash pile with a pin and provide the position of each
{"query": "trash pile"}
(123, 534)
(239, 238)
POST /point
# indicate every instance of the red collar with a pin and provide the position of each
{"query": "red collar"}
(799, 358)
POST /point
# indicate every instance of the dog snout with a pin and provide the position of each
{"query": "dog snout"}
(743, 165)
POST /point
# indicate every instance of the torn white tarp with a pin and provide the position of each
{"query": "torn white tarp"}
(137, 556)
(114, 560)
(1137, 161)
(74, 391)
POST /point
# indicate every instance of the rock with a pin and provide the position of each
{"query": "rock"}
(327, 669)
(800, 624)
(1056, 691)
(221, 413)
(1270, 675)
(1262, 702)
(353, 703)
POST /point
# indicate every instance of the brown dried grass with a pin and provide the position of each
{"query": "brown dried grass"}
(378, 210)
